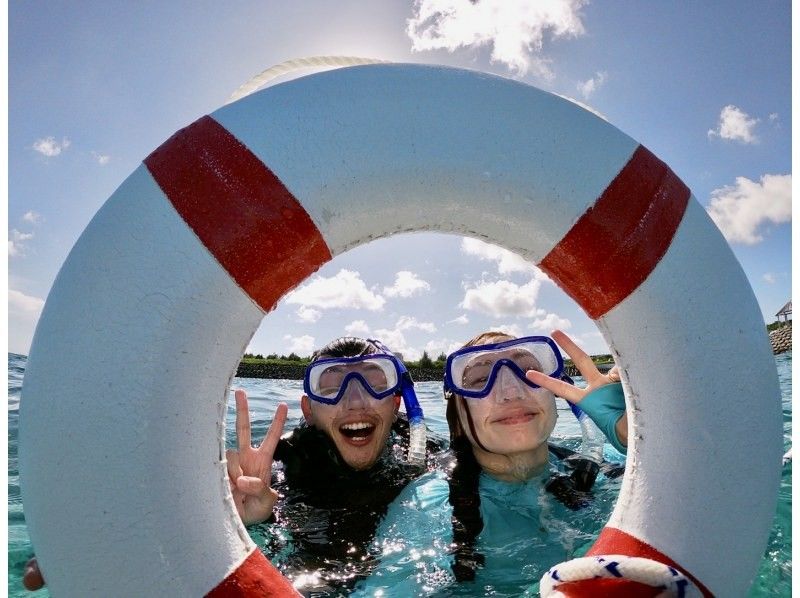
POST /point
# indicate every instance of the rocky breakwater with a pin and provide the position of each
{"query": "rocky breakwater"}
(781, 339)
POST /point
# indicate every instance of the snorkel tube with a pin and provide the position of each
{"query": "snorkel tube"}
(592, 438)
(417, 436)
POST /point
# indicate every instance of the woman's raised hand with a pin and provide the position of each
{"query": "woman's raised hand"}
(250, 469)
(594, 378)
(608, 412)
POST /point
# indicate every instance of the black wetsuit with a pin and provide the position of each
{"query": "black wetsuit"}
(332, 511)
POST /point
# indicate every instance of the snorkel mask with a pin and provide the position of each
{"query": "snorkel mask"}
(472, 371)
(381, 375)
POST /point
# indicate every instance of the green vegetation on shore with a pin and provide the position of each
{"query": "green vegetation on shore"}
(424, 362)
(777, 324)
(292, 367)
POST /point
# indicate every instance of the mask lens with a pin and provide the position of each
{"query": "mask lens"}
(330, 381)
(378, 375)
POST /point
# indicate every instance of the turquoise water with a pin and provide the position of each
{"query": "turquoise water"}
(774, 576)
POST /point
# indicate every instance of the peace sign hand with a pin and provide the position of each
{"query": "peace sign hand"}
(250, 469)
(594, 380)
(587, 368)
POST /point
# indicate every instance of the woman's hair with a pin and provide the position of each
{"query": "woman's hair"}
(453, 421)
(463, 482)
(346, 346)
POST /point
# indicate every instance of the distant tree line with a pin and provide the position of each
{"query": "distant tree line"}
(777, 324)
(274, 357)
(423, 362)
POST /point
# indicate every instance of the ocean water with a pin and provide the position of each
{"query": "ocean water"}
(774, 576)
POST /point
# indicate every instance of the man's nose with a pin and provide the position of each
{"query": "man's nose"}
(355, 395)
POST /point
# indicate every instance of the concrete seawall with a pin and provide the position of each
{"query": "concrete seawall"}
(781, 339)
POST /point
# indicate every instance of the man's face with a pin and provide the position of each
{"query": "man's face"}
(513, 418)
(358, 424)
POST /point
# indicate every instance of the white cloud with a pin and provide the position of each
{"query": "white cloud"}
(507, 261)
(300, 345)
(344, 290)
(48, 146)
(17, 242)
(32, 217)
(308, 314)
(409, 322)
(20, 303)
(511, 329)
(439, 346)
(591, 342)
(23, 314)
(462, 319)
(396, 341)
(549, 322)
(591, 85)
(503, 298)
(357, 328)
(740, 210)
(769, 277)
(406, 284)
(102, 159)
(514, 28)
(736, 125)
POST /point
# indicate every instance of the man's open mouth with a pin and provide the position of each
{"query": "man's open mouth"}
(357, 433)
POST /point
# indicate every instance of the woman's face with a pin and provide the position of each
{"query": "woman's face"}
(513, 418)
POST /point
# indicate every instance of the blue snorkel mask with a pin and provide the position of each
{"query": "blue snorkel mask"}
(381, 375)
(472, 371)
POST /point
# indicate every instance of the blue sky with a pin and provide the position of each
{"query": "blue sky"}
(95, 87)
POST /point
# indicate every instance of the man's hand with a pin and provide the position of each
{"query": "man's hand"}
(250, 469)
(587, 368)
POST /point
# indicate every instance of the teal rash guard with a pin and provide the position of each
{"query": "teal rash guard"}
(525, 531)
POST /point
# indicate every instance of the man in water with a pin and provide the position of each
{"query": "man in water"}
(346, 430)
(341, 469)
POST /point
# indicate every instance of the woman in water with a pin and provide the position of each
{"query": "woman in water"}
(505, 501)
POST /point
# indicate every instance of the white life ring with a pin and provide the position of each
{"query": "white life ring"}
(122, 410)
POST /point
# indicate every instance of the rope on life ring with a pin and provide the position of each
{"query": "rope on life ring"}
(667, 580)
(121, 430)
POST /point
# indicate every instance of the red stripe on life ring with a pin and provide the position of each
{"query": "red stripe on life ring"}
(614, 541)
(256, 576)
(242, 212)
(617, 242)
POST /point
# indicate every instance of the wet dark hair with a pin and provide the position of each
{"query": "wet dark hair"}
(346, 346)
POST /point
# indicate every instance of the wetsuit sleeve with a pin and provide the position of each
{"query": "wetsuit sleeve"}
(605, 405)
